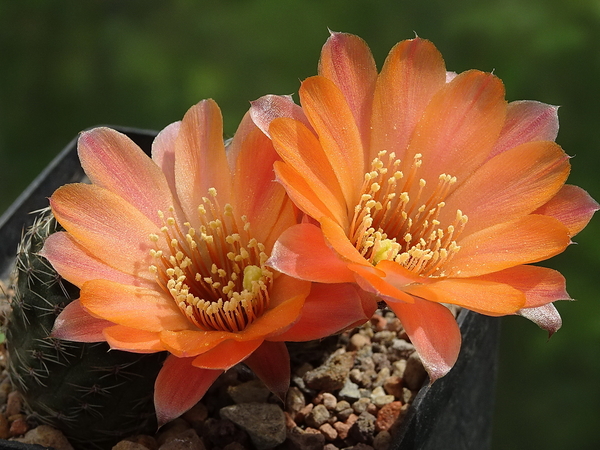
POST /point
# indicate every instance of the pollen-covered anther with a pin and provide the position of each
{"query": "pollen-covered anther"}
(214, 271)
(389, 224)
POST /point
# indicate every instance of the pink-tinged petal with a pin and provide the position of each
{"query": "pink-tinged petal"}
(301, 150)
(271, 363)
(76, 324)
(179, 386)
(521, 241)
(226, 355)
(301, 252)
(347, 61)
(573, 206)
(509, 186)
(330, 309)
(337, 239)
(200, 160)
(458, 128)
(270, 107)
(106, 226)
(527, 121)
(301, 193)
(375, 281)
(539, 284)
(433, 331)
(135, 307)
(233, 146)
(76, 265)
(113, 161)
(255, 193)
(128, 339)
(186, 343)
(331, 117)
(412, 73)
(482, 296)
(163, 153)
(546, 317)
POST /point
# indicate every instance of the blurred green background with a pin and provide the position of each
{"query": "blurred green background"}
(67, 65)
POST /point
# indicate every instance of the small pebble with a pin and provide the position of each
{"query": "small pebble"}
(47, 437)
(363, 429)
(393, 386)
(330, 446)
(249, 392)
(4, 427)
(379, 322)
(350, 391)
(329, 432)
(18, 426)
(329, 401)
(197, 415)
(358, 341)
(294, 400)
(415, 373)
(14, 404)
(361, 405)
(188, 440)
(128, 445)
(382, 440)
(317, 417)
(301, 415)
(387, 415)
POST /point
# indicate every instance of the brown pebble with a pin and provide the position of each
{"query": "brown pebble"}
(143, 439)
(372, 409)
(394, 325)
(311, 430)
(344, 427)
(197, 415)
(379, 322)
(46, 436)
(393, 386)
(329, 432)
(13, 404)
(4, 427)
(128, 445)
(289, 421)
(301, 415)
(18, 426)
(329, 401)
(330, 446)
(358, 341)
(387, 415)
(188, 440)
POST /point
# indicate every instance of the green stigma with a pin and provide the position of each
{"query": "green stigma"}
(251, 274)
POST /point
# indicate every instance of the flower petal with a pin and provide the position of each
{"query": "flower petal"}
(412, 73)
(374, 280)
(301, 193)
(330, 309)
(271, 363)
(546, 317)
(521, 241)
(485, 297)
(163, 153)
(347, 61)
(287, 297)
(433, 331)
(572, 206)
(301, 252)
(459, 127)
(269, 107)
(227, 354)
(179, 386)
(113, 161)
(75, 324)
(337, 239)
(132, 340)
(300, 149)
(331, 117)
(509, 186)
(200, 160)
(527, 121)
(135, 307)
(187, 343)
(77, 265)
(256, 196)
(539, 284)
(106, 226)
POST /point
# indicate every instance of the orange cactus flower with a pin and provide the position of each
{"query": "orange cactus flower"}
(426, 188)
(170, 254)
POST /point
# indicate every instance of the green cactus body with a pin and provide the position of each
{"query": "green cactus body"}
(95, 396)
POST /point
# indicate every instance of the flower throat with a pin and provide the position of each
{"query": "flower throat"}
(390, 225)
(216, 272)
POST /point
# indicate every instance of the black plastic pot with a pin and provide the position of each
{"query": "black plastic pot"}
(455, 413)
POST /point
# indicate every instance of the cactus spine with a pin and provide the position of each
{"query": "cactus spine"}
(94, 396)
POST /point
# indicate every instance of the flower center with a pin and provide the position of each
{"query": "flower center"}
(216, 273)
(388, 224)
